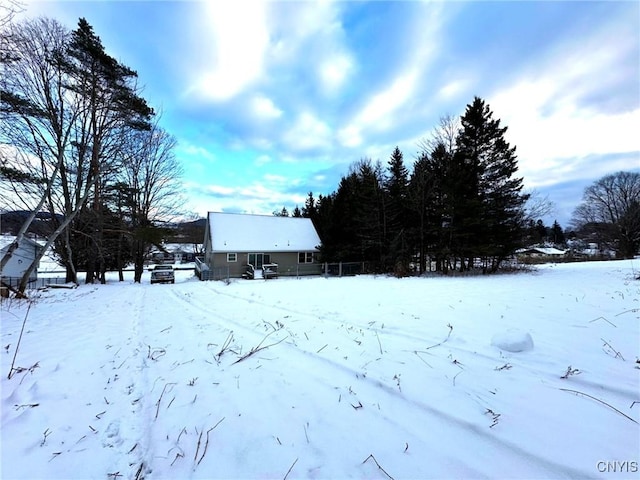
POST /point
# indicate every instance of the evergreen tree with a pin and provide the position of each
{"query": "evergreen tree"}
(557, 234)
(297, 213)
(418, 200)
(309, 209)
(396, 214)
(494, 209)
(351, 220)
(282, 213)
(541, 232)
(111, 107)
(370, 213)
(323, 212)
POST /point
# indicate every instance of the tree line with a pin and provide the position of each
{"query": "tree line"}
(461, 207)
(78, 140)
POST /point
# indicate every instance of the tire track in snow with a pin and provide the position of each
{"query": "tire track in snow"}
(550, 374)
(439, 419)
(443, 421)
(318, 319)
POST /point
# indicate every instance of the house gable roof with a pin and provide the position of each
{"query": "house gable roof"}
(542, 251)
(6, 240)
(232, 232)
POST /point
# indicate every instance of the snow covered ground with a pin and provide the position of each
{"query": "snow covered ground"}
(530, 375)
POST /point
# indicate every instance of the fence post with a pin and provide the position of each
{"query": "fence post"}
(340, 269)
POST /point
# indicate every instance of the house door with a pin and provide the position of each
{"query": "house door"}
(259, 259)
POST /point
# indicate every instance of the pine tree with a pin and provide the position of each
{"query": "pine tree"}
(494, 209)
(281, 213)
(112, 106)
(557, 234)
(396, 214)
(309, 209)
(351, 220)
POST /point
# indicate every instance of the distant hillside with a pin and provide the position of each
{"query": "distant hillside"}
(188, 232)
(11, 222)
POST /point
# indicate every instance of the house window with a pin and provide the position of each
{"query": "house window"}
(232, 257)
(305, 257)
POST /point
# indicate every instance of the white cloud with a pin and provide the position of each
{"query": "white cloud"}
(262, 160)
(557, 132)
(381, 110)
(196, 151)
(260, 143)
(220, 190)
(308, 133)
(452, 90)
(378, 113)
(264, 107)
(295, 23)
(271, 178)
(350, 136)
(334, 71)
(239, 41)
(382, 105)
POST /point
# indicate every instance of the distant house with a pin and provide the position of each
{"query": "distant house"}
(235, 242)
(182, 252)
(21, 259)
(541, 253)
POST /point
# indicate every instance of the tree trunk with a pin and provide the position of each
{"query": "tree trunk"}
(25, 226)
(138, 261)
(61, 228)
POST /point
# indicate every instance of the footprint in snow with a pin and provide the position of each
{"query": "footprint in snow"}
(111, 436)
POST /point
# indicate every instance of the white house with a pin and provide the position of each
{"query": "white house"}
(542, 253)
(22, 257)
(234, 241)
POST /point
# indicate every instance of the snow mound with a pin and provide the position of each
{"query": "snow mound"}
(513, 341)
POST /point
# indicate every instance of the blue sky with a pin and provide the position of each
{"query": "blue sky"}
(269, 101)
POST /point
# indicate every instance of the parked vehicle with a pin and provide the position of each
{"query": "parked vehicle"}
(163, 274)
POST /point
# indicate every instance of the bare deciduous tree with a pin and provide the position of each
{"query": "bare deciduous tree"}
(152, 173)
(38, 115)
(444, 134)
(64, 106)
(610, 208)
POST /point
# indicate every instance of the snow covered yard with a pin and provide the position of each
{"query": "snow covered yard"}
(530, 375)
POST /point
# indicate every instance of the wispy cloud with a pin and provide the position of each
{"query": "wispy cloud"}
(308, 133)
(553, 112)
(378, 113)
(199, 152)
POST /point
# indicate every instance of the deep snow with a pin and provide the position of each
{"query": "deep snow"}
(360, 377)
